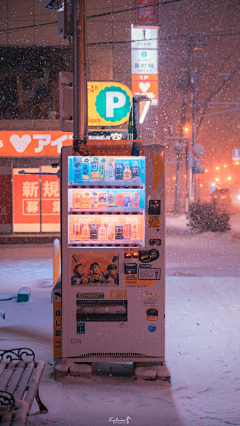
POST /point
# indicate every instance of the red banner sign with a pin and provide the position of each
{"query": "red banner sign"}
(30, 212)
(33, 143)
(146, 12)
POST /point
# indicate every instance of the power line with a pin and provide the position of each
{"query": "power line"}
(133, 8)
(213, 93)
(211, 34)
(29, 26)
(221, 42)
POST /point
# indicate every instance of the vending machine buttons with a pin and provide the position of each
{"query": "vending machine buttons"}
(135, 255)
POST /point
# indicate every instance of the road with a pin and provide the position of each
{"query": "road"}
(203, 255)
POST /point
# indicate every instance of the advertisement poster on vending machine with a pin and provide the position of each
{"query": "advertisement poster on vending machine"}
(91, 270)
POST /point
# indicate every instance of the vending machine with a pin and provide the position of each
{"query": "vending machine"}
(113, 253)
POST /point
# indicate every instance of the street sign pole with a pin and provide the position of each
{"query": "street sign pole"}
(80, 119)
(194, 134)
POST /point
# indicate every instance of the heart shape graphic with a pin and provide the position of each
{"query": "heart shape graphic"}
(20, 144)
(144, 86)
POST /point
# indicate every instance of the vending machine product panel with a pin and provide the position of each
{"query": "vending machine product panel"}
(113, 255)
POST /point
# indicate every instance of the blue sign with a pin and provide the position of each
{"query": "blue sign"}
(236, 152)
(144, 54)
(212, 187)
(198, 167)
(152, 328)
(145, 266)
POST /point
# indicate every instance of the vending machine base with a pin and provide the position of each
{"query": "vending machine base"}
(137, 370)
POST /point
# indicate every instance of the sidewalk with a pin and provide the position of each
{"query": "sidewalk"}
(28, 238)
(178, 224)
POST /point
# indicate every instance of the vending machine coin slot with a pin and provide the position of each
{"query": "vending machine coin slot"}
(155, 242)
(146, 256)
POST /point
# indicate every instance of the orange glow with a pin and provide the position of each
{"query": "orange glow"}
(231, 195)
(185, 176)
(225, 166)
(206, 170)
(237, 163)
(201, 185)
(229, 178)
(186, 129)
(174, 178)
(217, 179)
(217, 168)
(215, 196)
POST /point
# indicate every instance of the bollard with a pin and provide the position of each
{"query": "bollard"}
(56, 260)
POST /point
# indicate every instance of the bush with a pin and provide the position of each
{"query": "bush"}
(208, 217)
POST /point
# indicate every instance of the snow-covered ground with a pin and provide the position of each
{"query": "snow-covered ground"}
(202, 338)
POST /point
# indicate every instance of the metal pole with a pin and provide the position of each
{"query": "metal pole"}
(80, 116)
(194, 131)
(178, 182)
(183, 117)
(187, 177)
(40, 202)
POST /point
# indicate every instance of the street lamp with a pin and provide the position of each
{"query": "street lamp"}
(139, 110)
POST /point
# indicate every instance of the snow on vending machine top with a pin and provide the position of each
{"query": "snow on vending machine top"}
(113, 253)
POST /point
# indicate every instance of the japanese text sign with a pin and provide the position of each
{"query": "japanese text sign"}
(146, 12)
(33, 143)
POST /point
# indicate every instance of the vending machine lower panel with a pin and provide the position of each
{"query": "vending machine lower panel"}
(115, 306)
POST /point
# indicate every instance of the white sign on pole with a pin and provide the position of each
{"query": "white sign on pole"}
(144, 38)
(144, 61)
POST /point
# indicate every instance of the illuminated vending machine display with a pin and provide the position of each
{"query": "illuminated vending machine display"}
(113, 239)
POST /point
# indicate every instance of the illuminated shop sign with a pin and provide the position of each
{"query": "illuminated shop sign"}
(36, 201)
(33, 143)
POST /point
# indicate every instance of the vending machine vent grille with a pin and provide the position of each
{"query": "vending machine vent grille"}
(115, 354)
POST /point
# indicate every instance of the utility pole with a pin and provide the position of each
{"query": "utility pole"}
(80, 111)
(182, 121)
(194, 133)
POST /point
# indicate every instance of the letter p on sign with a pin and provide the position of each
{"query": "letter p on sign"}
(114, 100)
